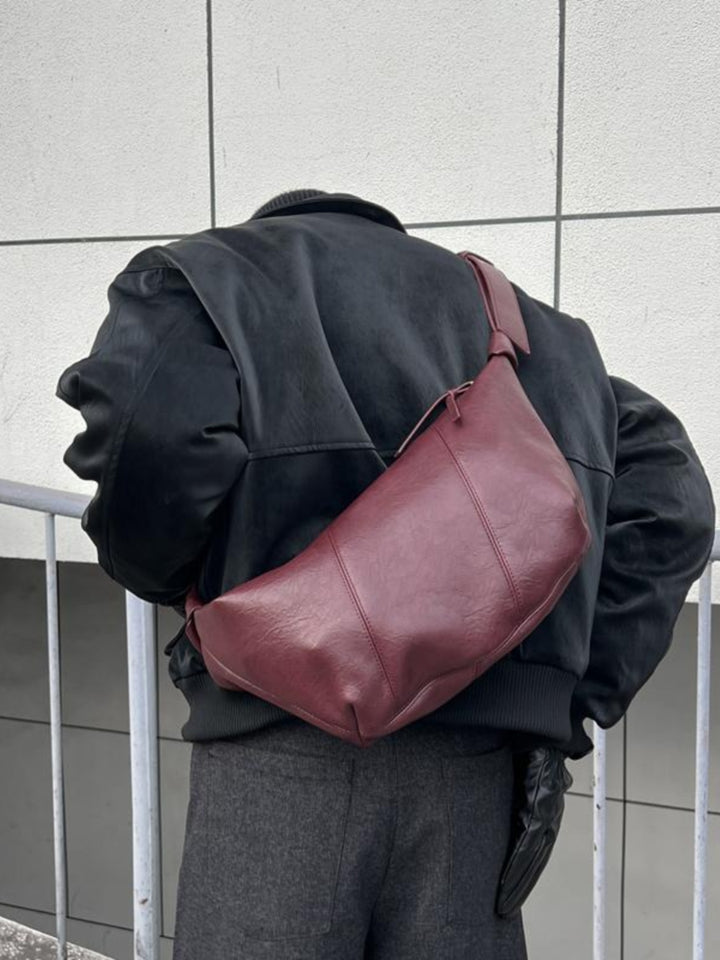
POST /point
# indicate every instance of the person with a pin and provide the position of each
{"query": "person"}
(247, 383)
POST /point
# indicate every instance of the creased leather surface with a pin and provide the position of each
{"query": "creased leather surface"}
(540, 786)
(441, 565)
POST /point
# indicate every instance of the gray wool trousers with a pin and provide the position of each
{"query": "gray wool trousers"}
(302, 846)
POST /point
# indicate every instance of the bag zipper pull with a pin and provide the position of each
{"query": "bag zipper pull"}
(450, 397)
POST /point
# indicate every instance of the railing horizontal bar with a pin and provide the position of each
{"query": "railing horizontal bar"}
(62, 503)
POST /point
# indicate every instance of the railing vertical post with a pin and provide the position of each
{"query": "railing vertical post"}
(702, 761)
(599, 845)
(58, 793)
(141, 642)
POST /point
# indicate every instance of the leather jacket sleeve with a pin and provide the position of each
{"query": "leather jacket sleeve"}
(658, 539)
(160, 396)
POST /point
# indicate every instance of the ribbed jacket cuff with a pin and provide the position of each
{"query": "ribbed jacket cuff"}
(512, 695)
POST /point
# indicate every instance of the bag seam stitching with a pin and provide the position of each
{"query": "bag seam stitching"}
(363, 616)
(480, 509)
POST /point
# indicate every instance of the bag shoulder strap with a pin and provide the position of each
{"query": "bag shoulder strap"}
(507, 329)
(501, 303)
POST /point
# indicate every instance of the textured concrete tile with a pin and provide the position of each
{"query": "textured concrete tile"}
(661, 740)
(647, 287)
(60, 293)
(111, 941)
(525, 252)
(174, 796)
(642, 115)
(108, 131)
(26, 824)
(99, 833)
(558, 915)
(24, 689)
(421, 107)
(94, 648)
(659, 884)
(93, 644)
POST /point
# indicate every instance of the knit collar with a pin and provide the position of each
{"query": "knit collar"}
(310, 201)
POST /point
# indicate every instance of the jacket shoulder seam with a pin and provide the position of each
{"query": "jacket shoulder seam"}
(148, 372)
(149, 268)
(309, 448)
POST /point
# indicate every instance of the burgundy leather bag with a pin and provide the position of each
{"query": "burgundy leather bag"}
(437, 569)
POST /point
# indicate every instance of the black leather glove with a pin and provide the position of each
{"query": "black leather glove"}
(541, 780)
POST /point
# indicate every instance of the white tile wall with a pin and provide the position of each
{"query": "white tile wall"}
(417, 105)
(649, 289)
(105, 119)
(53, 298)
(642, 113)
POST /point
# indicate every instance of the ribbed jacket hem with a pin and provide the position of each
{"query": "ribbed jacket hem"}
(515, 695)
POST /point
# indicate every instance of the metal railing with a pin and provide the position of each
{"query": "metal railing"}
(142, 669)
(702, 766)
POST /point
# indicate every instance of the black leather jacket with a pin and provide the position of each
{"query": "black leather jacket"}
(249, 381)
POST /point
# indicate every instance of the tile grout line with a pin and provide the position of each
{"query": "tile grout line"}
(428, 225)
(559, 153)
(642, 803)
(87, 727)
(50, 913)
(211, 110)
(626, 214)
(38, 241)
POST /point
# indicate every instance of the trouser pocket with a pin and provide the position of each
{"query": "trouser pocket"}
(276, 829)
(479, 797)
